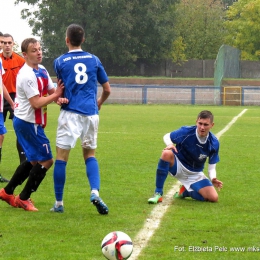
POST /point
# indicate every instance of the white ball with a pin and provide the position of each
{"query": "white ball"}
(117, 245)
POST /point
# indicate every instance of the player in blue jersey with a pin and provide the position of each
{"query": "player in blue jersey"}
(80, 72)
(186, 159)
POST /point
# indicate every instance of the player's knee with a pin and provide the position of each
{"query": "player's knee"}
(47, 164)
(213, 198)
(167, 155)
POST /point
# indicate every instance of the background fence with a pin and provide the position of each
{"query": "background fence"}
(190, 95)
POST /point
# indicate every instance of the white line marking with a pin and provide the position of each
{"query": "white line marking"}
(153, 222)
(230, 124)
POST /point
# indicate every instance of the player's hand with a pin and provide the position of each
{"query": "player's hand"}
(60, 88)
(61, 101)
(171, 147)
(218, 184)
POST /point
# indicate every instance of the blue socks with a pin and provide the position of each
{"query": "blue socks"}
(193, 194)
(161, 175)
(59, 177)
(92, 171)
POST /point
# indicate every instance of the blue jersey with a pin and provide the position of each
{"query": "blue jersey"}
(191, 152)
(80, 72)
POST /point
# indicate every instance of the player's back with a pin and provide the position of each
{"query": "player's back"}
(80, 71)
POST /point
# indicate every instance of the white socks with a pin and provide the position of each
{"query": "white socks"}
(58, 203)
(95, 192)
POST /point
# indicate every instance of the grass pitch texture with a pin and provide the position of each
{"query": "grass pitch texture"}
(129, 146)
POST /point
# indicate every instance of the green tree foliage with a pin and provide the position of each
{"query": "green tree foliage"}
(119, 31)
(200, 26)
(177, 54)
(243, 28)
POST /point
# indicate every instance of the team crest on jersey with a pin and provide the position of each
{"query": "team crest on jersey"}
(30, 83)
(202, 157)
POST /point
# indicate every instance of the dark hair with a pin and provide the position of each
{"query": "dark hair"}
(205, 114)
(8, 35)
(1, 34)
(26, 43)
(75, 34)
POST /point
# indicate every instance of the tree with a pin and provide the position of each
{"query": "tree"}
(177, 54)
(242, 24)
(119, 31)
(199, 25)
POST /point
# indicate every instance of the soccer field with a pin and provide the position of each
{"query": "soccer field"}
(129, 146)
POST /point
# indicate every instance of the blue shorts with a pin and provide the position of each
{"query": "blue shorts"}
(2, 125)
(201, 184)
(33, 140)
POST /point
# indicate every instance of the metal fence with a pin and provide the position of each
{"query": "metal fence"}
(190, 95)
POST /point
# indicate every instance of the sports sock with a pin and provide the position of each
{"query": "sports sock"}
(95, 192)
(59, 178)
(193, 194)
(58, 203)
(36, 176)
(21, 152)
(0, 154)
(161, 175)
(20, 175)
(92, 171)
(185, 194)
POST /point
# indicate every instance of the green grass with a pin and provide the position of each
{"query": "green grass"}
(129, 146)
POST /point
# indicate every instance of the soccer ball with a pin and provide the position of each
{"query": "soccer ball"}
(117, 245)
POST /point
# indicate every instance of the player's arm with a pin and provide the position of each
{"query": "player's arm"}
(7, 97)
(38, 102)
(213, 176)
(168, 142)
(105, 94)
(60, 100)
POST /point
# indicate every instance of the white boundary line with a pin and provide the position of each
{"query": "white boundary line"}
(230, 124)
(153, 222)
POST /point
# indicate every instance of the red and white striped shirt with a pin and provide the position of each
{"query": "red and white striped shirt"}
(29, 83)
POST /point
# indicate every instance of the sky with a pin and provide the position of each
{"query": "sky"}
(11, 21)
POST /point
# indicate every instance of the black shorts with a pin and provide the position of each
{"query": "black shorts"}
(7, 107)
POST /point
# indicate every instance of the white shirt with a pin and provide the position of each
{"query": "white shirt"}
(29, 83)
